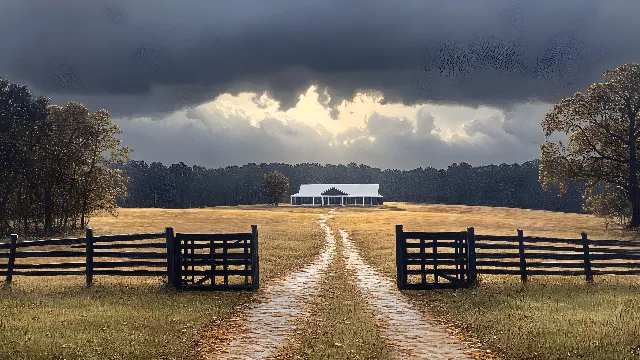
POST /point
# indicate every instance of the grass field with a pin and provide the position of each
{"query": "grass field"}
(135, 318)
(548, 318)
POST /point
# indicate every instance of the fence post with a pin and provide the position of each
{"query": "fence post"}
(255, 260)
(399, 252)
(435, 262)
(12, 258)
(177, 259)
(89, 251)
(471, 253)
(587, 261)
(523, 262)
(170, 256)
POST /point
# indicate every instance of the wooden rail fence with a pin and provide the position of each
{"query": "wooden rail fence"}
(153, 254)
(438, 262)
(217, 262)
(530, 255)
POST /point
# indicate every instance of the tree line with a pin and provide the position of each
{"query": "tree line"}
(182, 186)
(60, 164)
(56, 163)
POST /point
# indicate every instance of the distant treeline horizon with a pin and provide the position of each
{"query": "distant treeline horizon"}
(506, 185)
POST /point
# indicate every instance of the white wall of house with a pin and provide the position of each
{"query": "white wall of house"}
(354, 195)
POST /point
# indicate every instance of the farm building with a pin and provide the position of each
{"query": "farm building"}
(337, 195)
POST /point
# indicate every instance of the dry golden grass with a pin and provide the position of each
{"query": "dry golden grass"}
(135, 318)
(548, 318)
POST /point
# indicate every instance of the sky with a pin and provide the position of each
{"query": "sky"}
(388, 83)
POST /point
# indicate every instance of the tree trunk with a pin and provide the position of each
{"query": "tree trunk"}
(84, 211)
(634, 190)
(85, 199)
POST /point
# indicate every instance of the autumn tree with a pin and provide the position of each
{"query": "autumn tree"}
(23, 127)
(601, 148)
(275, 186)
(84, 146)
(57, 163)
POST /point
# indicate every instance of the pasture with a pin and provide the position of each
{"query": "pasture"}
(137, 318)
(547, 318)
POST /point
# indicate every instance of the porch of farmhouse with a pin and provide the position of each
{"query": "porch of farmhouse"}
(337, 195)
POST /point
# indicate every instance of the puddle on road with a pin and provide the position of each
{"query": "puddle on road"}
(268, 324)
(409, 334)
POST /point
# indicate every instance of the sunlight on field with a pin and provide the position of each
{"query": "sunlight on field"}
(548, 318)
(135, 318)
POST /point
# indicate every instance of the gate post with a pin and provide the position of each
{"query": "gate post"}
(176, 254)
(170, 256)
(471, 254)
(255, 260)
(400, 248)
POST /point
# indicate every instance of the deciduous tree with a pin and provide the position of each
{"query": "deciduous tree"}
(57, 163)
(275, 186)
(602, 146)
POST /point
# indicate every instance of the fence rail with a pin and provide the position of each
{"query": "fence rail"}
(528, 255)
(152, 254)
(216, 262)
(508, 255)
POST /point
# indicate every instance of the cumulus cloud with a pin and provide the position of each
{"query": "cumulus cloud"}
(212, 135)
(150, 57)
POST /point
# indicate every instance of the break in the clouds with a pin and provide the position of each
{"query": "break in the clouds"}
(143, 57)
(242, 129)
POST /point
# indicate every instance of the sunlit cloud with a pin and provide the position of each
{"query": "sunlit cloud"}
(249, 127)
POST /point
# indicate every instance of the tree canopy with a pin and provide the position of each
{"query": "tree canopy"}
(57, 163)
(601, 146)
(276, 186)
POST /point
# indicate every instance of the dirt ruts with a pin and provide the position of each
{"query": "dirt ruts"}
(411, 335)
(269, 323)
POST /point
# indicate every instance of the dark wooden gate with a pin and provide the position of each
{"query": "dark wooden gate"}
(434, 260)
(215, 261)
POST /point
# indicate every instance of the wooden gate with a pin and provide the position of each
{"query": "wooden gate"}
(434, 260)
(215, 261)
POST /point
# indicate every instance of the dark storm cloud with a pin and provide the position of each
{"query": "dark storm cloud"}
(146, 56)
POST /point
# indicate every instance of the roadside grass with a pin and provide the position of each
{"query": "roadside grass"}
(341, 326)
(136, 318)
(547, 318)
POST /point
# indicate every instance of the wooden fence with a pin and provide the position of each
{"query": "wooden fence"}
(529, 255)
(216, 262)
(454, 259)
(441, 257)
(153, 254)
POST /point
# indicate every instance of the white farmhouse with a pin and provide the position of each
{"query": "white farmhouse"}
(337, 195)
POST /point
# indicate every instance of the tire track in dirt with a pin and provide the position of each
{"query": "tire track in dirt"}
(268, 324)
(409, 333)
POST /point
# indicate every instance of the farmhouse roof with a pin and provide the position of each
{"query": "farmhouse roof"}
(366, 190)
